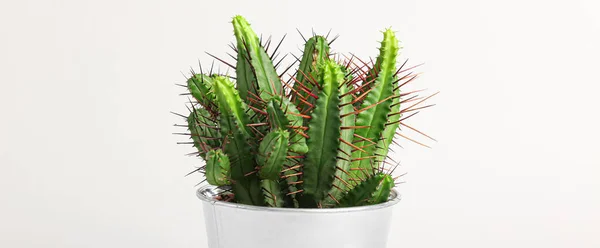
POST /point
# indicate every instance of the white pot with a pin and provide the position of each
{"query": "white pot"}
(230, 225)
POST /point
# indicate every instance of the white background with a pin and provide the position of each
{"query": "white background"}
(88, 159)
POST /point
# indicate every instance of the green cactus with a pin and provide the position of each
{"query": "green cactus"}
(217, 168)
(320, 142)
(316, 51)
(374, 110)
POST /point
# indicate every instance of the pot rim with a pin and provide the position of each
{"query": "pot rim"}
(208, 192)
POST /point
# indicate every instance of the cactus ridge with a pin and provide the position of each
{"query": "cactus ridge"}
(324, 134)
(371, 191)
(376, 106)
(318, 139)
(217, 168)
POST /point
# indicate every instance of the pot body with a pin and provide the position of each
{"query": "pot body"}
(230, 225)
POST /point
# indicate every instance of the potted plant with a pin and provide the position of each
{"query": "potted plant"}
(299, 160)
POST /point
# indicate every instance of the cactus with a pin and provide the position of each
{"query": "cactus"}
(319, 142)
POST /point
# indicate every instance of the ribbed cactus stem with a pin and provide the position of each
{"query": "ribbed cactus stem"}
(265, 80)
(342, 173)
(375, 189)
(203, 131)
(217, 168)
(282, 114)
(374, 110)
(324, 135)
(233, 124)
(199, 86)
(316, 51)
(272, 153)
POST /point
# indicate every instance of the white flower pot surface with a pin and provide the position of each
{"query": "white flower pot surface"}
(230, 225)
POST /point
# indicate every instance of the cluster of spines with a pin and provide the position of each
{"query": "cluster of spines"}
(318, 140)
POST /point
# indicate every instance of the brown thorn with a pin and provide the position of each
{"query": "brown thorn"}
(403, 136)
(414, 129)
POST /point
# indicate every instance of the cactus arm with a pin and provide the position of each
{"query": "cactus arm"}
(390, 128)
(268, 81)
(316, 50)
(233, 124)
(276, 116)
(217, 168)
(344, 157)
(245, 80)
(383, 190)
(231, 105)
(196, 133)
(199, 86)
(276, 194)
(370, 191)
(375, 108)
(272, 153)
(284, 114)
(203, 131)
(324, 136)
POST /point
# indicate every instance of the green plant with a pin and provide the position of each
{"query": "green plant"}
(319, 139)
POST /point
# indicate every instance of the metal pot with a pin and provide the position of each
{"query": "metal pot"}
(230, 225)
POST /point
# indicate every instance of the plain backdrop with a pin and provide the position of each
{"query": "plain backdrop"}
(88, 158)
